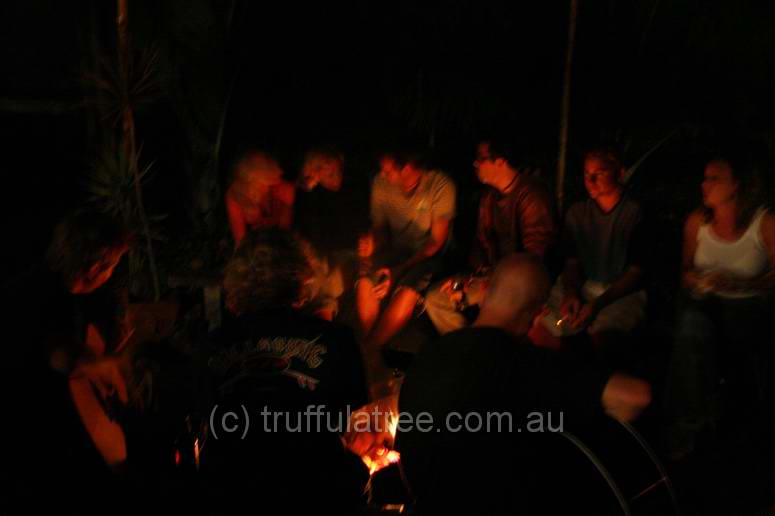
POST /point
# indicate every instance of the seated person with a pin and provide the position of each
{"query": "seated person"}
(491, 368)
(73, 315)
(604, 244)
(728, 273)
(84, 253)
(330, 213)
(272, 358)
(515, 215)
(258, 197)
(412, 208)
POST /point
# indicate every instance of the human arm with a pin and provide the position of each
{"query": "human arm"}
(625, 397)
(437, 239)
(442, 212)
(482, 252)
(550, 381)
(627, 282)
(91, 384)
(375, 238)
(536, 222)
(572, 276)
(572, 279)
(765, 282)
(236, 218)
(691, 279)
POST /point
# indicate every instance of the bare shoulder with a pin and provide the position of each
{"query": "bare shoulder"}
(442, 180)
(768, 227)
(693, 222)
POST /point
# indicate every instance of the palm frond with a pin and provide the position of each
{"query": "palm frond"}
(117, 91)
(631, 170)
(110, 186)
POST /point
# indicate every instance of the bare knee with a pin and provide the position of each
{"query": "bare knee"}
(363, 286)
(405, 300)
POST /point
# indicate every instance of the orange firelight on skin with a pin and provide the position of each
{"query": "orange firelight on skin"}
(99, 272)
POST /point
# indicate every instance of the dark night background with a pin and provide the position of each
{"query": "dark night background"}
(284, 76)
(363, 75)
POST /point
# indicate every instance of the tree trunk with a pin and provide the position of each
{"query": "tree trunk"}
(561, 159)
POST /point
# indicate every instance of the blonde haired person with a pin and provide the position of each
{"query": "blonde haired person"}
(258, 197)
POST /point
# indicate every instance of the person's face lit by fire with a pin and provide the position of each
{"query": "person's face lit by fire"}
(487, 168)
(719, 186)
(406, 178)
(325, 170)
(389, 171)
(98, 273)
(256, 175)
(600, 179)
(331, 176)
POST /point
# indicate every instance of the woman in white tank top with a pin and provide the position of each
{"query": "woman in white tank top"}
(723, 329)
(729, 246)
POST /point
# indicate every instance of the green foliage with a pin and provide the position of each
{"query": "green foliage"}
(110, 183)
(110, 188)
(117, 91)
(114, 183)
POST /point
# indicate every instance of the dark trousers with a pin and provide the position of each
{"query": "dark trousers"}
(719, 369)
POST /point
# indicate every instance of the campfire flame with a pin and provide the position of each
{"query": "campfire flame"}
(382, 458)
(375, 446)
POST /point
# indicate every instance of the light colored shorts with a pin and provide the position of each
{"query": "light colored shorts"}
(622, 315)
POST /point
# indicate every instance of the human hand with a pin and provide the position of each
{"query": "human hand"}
(476, 288)
(695, 282)
(625, 397)
(105, 375)
(570, 306)
(309, 179)
(585, 316)
(719, 281)
(454, 288)
(382, 287)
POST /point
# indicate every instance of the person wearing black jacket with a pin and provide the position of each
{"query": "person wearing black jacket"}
(295, 376)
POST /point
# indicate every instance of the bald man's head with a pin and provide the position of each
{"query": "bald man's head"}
(518, 288)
